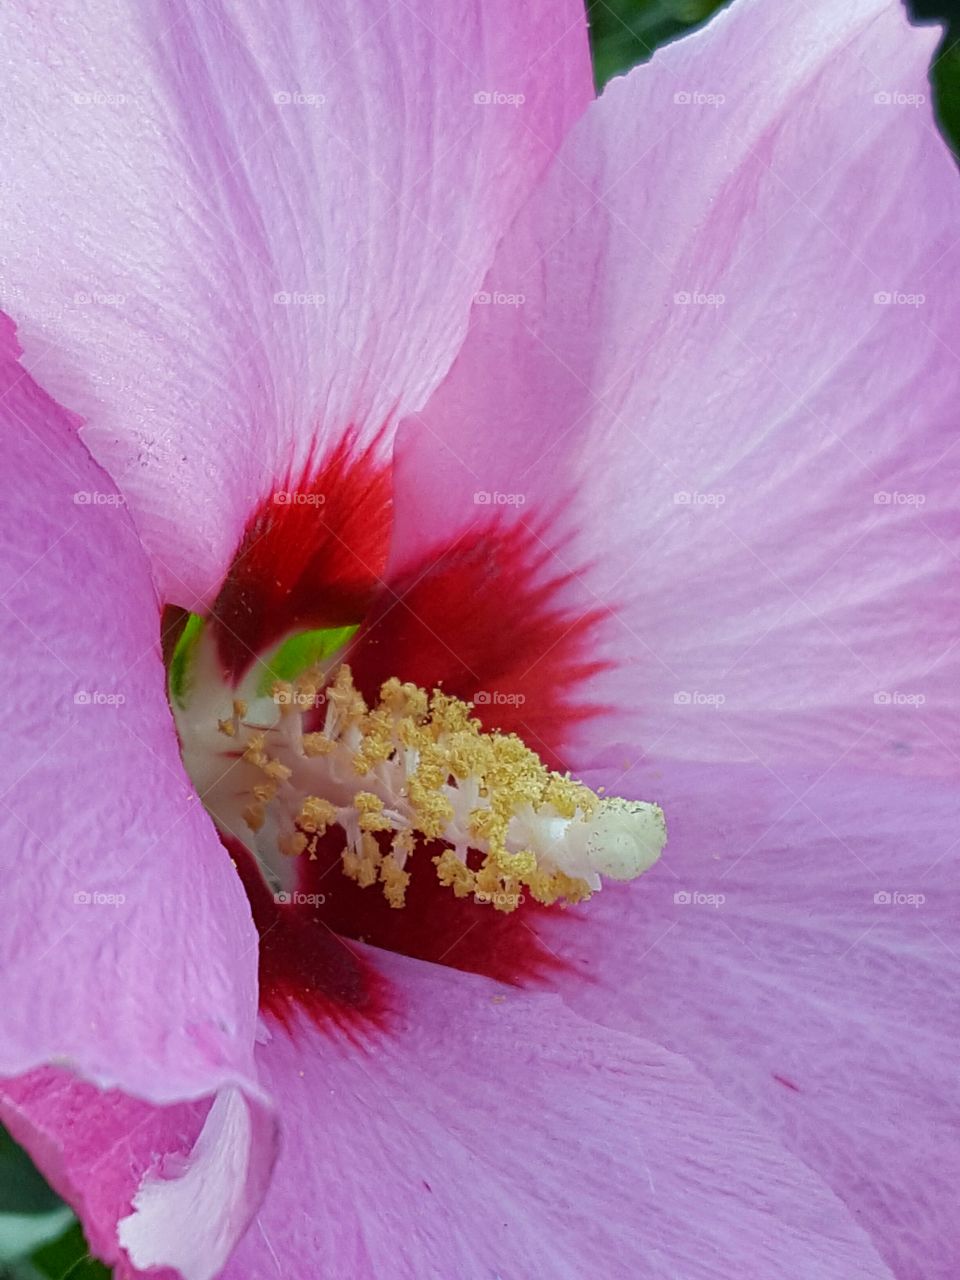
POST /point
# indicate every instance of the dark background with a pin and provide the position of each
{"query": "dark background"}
(625, 32)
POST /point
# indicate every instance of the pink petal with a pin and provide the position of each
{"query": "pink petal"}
(172, 175)
(494, 1133)
(127, 954)
(798, 941)
(760, 491)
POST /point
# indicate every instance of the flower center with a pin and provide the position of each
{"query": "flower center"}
(396, 781)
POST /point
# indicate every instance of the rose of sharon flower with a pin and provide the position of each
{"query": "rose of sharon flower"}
(301, 979)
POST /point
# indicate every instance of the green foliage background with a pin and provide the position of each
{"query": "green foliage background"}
(623, 33)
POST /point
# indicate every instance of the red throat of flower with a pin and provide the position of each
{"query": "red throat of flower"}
(312, 556)
(358, 805)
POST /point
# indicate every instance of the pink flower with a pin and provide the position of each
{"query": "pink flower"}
(636, 430)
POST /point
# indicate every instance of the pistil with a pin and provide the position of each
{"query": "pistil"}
(418, 769)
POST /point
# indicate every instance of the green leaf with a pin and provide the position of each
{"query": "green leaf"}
(22, 1189)
(626, 32)
(67, 1258)
(180, 660)
(300, 652)
(21, 1233)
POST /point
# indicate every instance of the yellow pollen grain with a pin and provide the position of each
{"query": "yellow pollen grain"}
(316, 815)
(404, 700)
(518, 865)
(433, 811)
(567, 796)
(378, 744)
(370, 809)
(345, 698)
(395, 881)
(293, 845)
(454, 874)
(403, 844)
(363, 866)
(254, 750)
(305, 689)
(254, 816)
(488, 825)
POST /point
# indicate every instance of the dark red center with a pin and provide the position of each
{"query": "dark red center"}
(480, 617)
